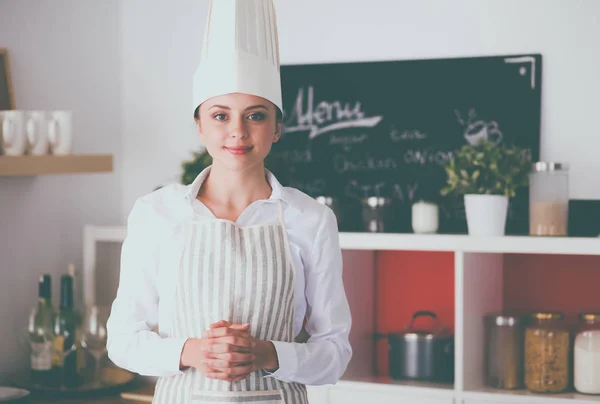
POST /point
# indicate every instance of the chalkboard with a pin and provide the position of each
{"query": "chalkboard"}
(353, 130)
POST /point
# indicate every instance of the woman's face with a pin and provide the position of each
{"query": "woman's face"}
(238, 129)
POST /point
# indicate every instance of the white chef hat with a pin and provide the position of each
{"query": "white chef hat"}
(240, 53)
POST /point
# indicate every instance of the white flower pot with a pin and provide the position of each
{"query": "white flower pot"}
(486, 214)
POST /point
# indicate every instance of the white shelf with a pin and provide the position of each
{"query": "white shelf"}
(401, 386)
(434, 242)
(525, 397)
(465, 243)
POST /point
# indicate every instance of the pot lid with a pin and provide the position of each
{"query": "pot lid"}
(411, 332)
(420, 334)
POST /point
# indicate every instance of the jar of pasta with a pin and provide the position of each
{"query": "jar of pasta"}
(547, 350)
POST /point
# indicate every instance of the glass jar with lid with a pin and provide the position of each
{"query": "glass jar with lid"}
(586, 361)
(377, 214)
(548, 199)
(504, 351)
(547, 354)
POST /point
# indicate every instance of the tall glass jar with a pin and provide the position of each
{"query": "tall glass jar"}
(547, 352)
(548, 199)
(505, 351)
(586, 363)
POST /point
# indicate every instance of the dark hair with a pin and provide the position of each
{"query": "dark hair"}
(278, 116)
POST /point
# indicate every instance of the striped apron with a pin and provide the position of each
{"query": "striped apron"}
(239, 274)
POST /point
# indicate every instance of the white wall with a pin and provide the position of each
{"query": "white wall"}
(63, 54)
(161, 51)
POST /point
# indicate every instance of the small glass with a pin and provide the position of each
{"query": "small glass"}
(587, 354)
(547, 354)
(94, 336)
(548, 199)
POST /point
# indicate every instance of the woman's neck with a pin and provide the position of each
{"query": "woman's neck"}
(234, 189)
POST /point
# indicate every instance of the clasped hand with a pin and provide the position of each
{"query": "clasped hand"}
(227, 351)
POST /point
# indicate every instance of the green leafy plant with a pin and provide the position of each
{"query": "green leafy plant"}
(200, 160)
(487, 169)
(193, 167)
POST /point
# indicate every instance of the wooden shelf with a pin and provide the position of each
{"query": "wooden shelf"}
(18, 166)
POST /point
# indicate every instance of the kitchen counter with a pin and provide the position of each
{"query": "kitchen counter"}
(141, 388)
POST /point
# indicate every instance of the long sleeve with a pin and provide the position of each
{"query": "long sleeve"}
(132, 344)
(325, 356)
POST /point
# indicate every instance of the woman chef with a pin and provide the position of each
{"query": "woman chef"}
(229, 268)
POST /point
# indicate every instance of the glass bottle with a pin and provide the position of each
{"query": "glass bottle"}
(65, 328)
(41, 334)
(505, 351)
(586, 361)
(80, 352)
(547, 354)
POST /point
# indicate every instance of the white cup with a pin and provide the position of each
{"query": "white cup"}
(12, 128)
(36, 128)
(60, 133)
(425, 217)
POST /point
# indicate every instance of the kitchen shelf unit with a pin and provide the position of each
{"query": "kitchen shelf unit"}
(19, 166)
(479, 276)
(478, 290)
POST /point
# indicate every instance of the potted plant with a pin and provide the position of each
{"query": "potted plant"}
(487, 176)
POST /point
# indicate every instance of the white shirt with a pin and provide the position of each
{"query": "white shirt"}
(151, 255)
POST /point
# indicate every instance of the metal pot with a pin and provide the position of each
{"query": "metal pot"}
(419, 354)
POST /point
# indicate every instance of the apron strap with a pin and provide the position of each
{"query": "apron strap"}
(280, 208)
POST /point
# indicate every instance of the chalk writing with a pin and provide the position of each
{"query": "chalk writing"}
(296, 155)
(347, 139)
(358, 191)
(326, 116)
(409, 134)
(427, 156)
(406, 192)
(476, 130)
(344, 164)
